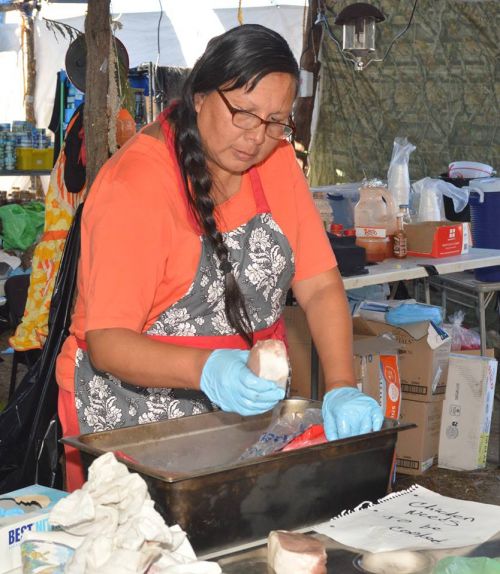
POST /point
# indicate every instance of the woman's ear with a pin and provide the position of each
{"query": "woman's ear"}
(198, 100)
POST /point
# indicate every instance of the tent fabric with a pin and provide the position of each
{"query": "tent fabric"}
(183, 28)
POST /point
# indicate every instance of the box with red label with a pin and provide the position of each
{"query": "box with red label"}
(377, 372)
(435, 239)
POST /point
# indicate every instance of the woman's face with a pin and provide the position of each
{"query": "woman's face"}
(231, 150)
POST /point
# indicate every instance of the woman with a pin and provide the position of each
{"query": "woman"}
(191, 237)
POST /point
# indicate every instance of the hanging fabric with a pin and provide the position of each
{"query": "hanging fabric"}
(29, 445)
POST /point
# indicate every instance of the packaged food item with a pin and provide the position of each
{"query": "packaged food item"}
(375, 221)
(315, 434)
(400, 248)
(281, 431)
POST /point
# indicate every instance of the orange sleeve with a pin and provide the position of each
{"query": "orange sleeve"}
(312, 249)
(122, 263)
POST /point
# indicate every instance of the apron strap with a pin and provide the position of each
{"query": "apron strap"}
(257, 189)
(275, 331)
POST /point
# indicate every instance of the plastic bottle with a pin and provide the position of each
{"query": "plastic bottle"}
(375, 221)
(400, 247)
(324, 208)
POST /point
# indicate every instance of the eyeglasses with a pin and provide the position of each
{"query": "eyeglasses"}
(248, 121)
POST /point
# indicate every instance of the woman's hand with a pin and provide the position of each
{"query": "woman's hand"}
(229, 383)
(348, 412)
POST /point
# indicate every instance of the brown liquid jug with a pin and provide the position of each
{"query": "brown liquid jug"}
(375, 221)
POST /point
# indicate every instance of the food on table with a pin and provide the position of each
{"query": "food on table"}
(293, 552)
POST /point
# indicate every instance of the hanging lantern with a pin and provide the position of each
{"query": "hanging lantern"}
(358, 26)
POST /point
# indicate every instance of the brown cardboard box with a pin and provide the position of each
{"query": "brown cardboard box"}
(299, 352)
(434, 239)
(423, 357)
(417, 449)
(375, 364)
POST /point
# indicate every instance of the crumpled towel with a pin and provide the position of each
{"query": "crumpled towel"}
(120, 531)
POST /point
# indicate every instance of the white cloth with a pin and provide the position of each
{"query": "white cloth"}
(121, 531)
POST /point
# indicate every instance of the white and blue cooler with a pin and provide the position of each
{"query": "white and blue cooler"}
(485, 221)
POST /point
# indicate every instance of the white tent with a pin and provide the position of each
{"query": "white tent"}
(164, 32)
(176, 35)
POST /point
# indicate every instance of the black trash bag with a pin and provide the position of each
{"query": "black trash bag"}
(30, 451)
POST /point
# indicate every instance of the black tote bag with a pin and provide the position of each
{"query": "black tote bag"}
(30, 451)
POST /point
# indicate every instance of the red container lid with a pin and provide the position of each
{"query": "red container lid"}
(336, 228)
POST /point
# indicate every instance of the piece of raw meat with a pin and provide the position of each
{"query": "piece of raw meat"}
(291, 552)
(268, 359)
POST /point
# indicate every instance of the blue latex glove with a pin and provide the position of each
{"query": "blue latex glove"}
(231, 385)
(348, 412)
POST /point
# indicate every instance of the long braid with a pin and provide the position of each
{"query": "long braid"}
(192, 161)
(240, 57)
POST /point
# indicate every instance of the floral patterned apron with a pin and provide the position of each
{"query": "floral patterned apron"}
(263, 264)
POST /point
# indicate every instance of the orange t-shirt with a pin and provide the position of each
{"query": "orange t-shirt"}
(139, 252)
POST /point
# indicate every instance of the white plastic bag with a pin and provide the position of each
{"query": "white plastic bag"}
(429, 197)
(462, 339)
(398, 176)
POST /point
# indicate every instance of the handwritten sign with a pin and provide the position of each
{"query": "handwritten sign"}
(414, 519)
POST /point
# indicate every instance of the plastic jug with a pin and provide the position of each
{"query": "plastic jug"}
(375, 221)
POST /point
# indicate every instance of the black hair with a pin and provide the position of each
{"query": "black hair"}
(240, 57)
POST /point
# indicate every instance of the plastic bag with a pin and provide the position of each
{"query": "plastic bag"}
(315, 434)
(281, 431)
(398, 176)
(461, 565)
(429, 197)
(408, 313)
(21, 224)
(462, 339)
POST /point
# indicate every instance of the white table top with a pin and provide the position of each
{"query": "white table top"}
(413, 267)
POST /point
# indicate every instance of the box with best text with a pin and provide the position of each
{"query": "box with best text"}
(423, 356)
(467, 411)
(23, 510)
(434, 239)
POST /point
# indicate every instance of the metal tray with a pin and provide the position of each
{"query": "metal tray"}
(191, 469)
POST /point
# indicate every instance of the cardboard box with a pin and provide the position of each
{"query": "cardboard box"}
(375, 364)
(434, 239)
(467, 411)
(417, 449)
(377, 372)
(35, 502)
(423, 356)
(299, 352)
